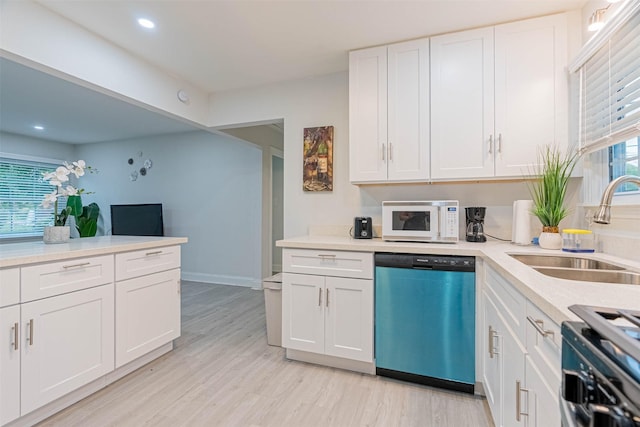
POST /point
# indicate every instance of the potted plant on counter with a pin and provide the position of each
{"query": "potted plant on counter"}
(548, 192)
(59, 232)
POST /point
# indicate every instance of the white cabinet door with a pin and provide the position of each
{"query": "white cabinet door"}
(531, 91)
(462, 102)
(10, 344)
(514, 402)
(389, 113)
(303, 299)
(543, 397)
(368, 115)
(349, 318)
(147, 314)
(492, 359)
(67, 342)
(408, 111)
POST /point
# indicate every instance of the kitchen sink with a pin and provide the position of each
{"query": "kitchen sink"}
(565, 262)
(606, 276)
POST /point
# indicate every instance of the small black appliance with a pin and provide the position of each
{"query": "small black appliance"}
(362, 227)
(475, 224)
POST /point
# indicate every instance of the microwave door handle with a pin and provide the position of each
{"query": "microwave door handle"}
(439, 210)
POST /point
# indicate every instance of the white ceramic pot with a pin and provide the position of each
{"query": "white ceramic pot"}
(56, 234)
(550, 238)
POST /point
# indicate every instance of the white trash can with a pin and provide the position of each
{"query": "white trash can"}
(273, 308)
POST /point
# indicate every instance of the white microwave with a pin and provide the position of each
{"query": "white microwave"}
(420, 221)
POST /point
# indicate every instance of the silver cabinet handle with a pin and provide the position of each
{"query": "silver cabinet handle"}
(491, 332)
(384, 149)
(539, 326)
(16, 336)
(490, 143)
(153, 253)
(31, 332)
(82, 264)
(519, 412)
(499, 143)
(390, 152)
(326, 255)
(319, 297)
(327, 299)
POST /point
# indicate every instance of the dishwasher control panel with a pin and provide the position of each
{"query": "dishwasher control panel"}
(429, 262)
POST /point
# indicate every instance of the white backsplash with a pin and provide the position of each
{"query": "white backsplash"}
(619, 238)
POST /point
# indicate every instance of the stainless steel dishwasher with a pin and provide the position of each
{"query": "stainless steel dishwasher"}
(425, 319)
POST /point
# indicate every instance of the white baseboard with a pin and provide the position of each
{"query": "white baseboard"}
(247, 282)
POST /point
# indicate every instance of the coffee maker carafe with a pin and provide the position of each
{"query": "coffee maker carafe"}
(475, 224)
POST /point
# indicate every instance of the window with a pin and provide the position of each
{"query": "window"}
(610, 98)
(21, 192)
(623, 160)
(609, 131)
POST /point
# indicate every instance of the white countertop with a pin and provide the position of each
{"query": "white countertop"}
(551, 295)
(16, 254)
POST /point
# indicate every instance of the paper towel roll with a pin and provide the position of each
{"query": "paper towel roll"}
(521, 229)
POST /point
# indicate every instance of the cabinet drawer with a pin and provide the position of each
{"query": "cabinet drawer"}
(357, 265)
(55, 278)
(543, 342)
(509, 302)
(9, 286)
(148, 261)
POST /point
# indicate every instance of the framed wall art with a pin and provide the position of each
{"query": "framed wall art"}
(317, 159)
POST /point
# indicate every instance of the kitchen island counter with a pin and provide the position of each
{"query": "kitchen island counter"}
(20, 254)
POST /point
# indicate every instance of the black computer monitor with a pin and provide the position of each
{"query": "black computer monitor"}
(137, 220)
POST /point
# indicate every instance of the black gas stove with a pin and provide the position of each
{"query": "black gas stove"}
(601, 368)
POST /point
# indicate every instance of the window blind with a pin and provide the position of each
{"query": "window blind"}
(22, 189)
(610, 89)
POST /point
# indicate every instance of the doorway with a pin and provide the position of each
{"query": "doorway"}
(277, 209)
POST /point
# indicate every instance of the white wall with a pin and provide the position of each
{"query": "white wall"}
(324, 101)
(210, 188)
(32, 147)
(321, 101)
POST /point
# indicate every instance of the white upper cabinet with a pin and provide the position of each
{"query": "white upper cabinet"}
(462, 99)
(531, 91)
(497, 94)
(389, 113)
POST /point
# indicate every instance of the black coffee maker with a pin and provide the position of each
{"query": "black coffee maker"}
(475, 224)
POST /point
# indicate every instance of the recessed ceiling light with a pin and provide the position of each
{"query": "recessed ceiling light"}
(146, 23)
(38, 127)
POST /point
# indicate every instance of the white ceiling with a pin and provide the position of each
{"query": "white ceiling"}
(224, 45)
(71, 113)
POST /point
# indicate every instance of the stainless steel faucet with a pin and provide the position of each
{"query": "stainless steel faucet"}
(603, 214)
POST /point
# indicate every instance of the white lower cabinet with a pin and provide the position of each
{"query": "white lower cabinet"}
(66, 342)
(503, 367)
(9, 363)
(542, 398)
(328, 315)
(521, 358)
(65, 324)
(147, 314)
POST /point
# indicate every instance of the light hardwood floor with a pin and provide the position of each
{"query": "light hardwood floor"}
(223, 373)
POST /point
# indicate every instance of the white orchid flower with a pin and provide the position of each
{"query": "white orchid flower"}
(77, 168)
(49, 198)
(62, 174)
(70, 191)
